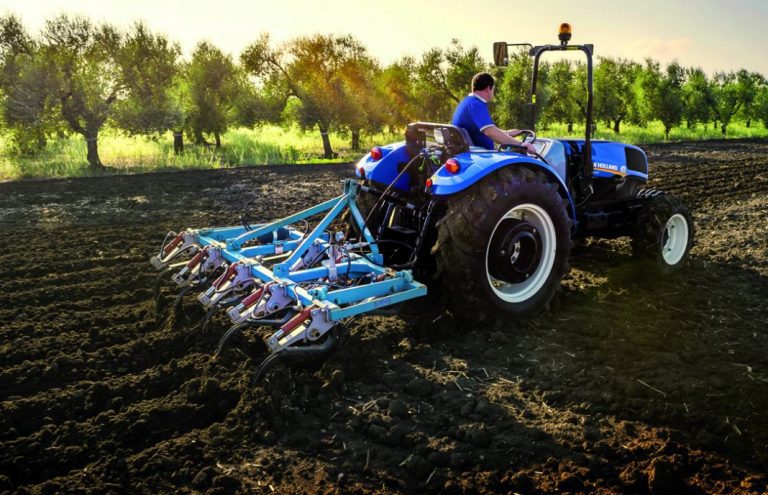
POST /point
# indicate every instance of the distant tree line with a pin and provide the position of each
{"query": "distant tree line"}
(77, 76)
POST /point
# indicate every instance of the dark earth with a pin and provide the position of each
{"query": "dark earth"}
(632, 383)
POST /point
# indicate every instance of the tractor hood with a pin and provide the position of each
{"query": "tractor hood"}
(611, 158)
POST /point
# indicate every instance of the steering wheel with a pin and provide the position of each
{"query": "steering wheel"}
(528, 136)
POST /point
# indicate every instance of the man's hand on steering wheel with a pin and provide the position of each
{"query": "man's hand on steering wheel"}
(527, 140)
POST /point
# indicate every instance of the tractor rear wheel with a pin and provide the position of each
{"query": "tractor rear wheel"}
(503, 246)
(664, 233)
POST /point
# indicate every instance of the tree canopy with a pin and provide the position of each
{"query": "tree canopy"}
(76, 77)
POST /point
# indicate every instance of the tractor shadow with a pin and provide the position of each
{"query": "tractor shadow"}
(624, 368)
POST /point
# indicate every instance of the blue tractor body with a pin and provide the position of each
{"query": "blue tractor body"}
(611, 159)
(613, 163)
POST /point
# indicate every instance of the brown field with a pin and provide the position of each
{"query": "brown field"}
(630, 384)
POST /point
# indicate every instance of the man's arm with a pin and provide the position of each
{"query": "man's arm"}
(502, 137)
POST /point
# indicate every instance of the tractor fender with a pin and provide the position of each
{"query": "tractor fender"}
(474, 166)
(385, 169)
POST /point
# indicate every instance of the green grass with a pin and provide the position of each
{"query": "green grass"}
(131, 154)
(654, 132)
(272, 145)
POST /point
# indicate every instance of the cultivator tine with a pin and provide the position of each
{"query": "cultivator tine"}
(265, 301)
(164, 272)
(265, 366)
(179, 298)
(235, 280)
(300, 283)
(308, 325)
(229, 333)
(295, 352)
(237, 327)
(202, 264)
(158, 283)
(238, 313)
(207, 318)
(183, 242)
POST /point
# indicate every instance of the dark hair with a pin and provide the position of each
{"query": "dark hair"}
(481, 81)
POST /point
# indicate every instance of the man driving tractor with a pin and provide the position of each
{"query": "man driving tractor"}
(472, 114)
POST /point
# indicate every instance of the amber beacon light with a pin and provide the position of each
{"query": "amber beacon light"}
(565, 33)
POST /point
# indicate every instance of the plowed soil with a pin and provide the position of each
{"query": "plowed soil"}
(630, 384)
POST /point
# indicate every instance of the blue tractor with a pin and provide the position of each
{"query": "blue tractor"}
(492, 228)
(500, 224)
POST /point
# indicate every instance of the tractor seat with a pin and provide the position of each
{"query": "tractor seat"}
(465, 134)
(468, 139)
(455, 139)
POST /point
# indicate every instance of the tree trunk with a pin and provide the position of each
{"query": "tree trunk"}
(616, 126)
(178, 143)
(93, 152)
(200, 139)
(749, 122)
(218, 140)
(666, 132)
(356, 140)
(722, 128)
(328, 151)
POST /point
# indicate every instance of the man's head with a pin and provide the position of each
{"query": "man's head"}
(483, 85)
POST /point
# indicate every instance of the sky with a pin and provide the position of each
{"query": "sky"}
(713, 34)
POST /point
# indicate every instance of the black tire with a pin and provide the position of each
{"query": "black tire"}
(475, 240)
(664, 233)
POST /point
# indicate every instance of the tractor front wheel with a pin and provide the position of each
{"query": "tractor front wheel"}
(503, 246)
(664, 234)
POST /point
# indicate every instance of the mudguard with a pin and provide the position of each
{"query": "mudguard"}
(385, 169)
(477, 165)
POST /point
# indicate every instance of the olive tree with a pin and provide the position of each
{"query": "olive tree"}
(444, 77)
(727, 98)
(397, 87)
(661, 94)
(214, 86)
(363, 106)
(86, 60)
(698, 98)
(150, 70)
(513, 87)
(562, 105)
(28, 88)
(614, 96)
(748, 84)
(761, 105)
(311, 71)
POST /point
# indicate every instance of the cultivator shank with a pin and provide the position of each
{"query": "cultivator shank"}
(303, 283)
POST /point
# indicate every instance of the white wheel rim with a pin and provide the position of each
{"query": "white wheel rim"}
(675, 239)
(516, 293)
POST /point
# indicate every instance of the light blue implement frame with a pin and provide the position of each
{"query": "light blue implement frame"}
(393, 288)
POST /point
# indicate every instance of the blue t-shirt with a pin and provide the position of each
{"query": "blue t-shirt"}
(472, 114)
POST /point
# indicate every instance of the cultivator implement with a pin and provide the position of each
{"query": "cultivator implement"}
(303, 283)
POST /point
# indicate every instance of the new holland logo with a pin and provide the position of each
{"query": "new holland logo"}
(614, 169)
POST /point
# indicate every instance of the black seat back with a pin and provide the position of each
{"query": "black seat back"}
(420, 135)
